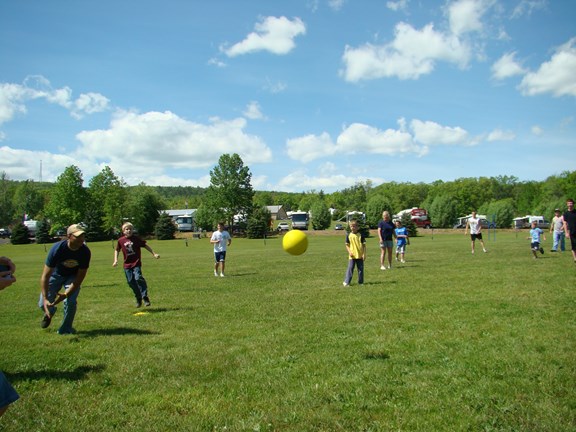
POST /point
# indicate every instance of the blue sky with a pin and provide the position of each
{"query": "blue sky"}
(312, 94)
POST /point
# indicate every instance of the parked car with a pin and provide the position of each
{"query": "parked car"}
(283, 226)
(338, 227)
(5, 233)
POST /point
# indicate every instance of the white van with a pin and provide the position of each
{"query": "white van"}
(32, 226)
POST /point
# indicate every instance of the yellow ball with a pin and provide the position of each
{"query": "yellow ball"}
(295, 242)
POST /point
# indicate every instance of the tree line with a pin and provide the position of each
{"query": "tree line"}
(107, 201)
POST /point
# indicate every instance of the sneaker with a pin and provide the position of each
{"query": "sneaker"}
(345, 284)
(221, 274)
(70, 332)
(46, 320)
(389, 268)
(382, 268)
(215, 273)
(146, 301)
(552, 250)
(403, 262)
(542, 251)
(138, 303)
(484, 250)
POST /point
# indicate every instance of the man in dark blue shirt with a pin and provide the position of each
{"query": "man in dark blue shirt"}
(66, 266)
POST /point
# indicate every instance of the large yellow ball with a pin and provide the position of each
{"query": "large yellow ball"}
(295, 242)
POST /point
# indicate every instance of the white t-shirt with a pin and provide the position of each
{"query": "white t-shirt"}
(222, 238)
(475, 226)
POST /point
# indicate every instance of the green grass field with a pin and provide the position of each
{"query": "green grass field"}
(449, 341)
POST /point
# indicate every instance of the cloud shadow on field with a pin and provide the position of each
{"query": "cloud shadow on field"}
(76, 374)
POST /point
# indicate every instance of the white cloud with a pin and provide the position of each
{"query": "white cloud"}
(555, 76)
(310, 147)
(397, 5)
(13, 98)
(253, 111)
(465, 16)
(355, 139)
(536, 130)
(507, 66)
(430, 133)
(336, 4)
(275, 35)
(500, 135)
(301, 181)
(526, 7)
(411, 54)
(361, 138)
(25, 164)
(162, 140)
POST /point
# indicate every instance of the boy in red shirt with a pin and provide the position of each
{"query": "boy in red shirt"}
(130, 245)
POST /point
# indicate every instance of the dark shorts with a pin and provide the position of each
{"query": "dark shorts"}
(476, 236)
(535, 245)
(220, 256)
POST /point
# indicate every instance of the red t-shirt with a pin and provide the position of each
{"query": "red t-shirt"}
(131, 249)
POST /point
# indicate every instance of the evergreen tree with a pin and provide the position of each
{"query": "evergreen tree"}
(43, 232)
(165, 228)
(258, 223)
(406, 221)
(20, 234)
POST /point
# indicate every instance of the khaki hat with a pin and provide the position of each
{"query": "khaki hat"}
(76, 230)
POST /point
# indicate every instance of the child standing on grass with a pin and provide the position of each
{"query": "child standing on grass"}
(356, 247)
(535, 235)
(221, 240)
(131, 245)
(401, 240)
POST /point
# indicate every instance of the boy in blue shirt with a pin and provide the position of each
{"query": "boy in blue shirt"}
(535, 234)
(401, 240)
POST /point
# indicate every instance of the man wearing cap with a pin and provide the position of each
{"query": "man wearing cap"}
(66, 266)
(557, 228)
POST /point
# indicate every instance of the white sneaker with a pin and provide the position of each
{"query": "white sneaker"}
(344, 283)
(382, 268)
(221, 274)
(215, 273)
(485, 251)
(402, 261)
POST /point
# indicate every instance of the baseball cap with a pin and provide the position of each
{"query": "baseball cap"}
(76, 230)
(557, 210)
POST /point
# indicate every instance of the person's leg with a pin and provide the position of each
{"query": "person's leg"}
(555, 241)
(133, 284)
(142, 285)
(382, 255)
(7, 394)
(360, 266)
(349, 272)
(54, 284)
(70, 306)
(389, 256)
(562, 241)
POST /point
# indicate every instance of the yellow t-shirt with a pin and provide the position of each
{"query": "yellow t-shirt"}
(355, 242)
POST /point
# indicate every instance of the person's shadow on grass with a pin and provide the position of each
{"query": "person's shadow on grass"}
(77, 374)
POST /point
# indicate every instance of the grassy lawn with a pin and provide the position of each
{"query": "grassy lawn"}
(449, 341)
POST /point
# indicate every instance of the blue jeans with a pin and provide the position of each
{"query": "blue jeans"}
(55, 283)
(350, 271)
(559, 240)
(137, 282)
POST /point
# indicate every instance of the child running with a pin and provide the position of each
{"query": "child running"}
(535, 235)
(130, 245)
